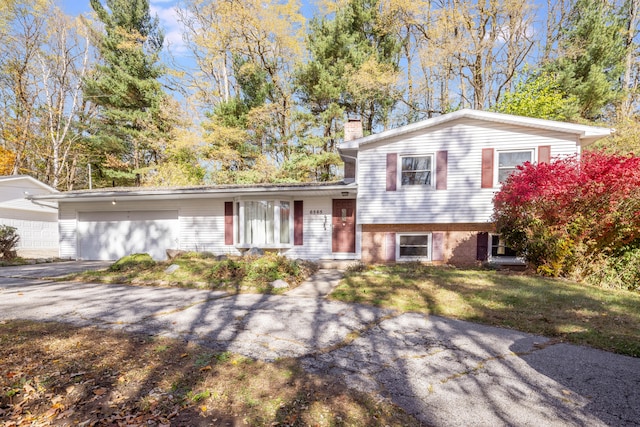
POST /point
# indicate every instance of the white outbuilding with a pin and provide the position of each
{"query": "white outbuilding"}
(36, 221)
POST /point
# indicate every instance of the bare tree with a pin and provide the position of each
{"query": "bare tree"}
(631, 70)
(64, 62)
(19, 89)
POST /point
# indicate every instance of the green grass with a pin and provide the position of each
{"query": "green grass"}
(602, 318)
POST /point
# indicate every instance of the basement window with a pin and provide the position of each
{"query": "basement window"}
(413, 247)
(500, 253)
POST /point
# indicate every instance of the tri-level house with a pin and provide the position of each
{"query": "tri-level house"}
(425, 190)
(419, 192)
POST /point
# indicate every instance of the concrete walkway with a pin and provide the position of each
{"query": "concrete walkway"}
(445, 372)
(318, 286)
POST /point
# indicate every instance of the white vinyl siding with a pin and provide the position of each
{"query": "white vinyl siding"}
(316, 230)
(464, 201)
(67, 229)
(201, 224)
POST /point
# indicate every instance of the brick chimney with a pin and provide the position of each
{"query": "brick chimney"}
(352, 130)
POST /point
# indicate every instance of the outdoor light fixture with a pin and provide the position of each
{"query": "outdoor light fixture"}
(345, 193)
(113, 202)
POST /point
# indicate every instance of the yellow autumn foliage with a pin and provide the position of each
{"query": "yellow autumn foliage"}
(7, 160)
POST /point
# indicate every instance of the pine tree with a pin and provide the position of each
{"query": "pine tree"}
(353, 70)
(127, 90)
(592, 57)
(354, 64)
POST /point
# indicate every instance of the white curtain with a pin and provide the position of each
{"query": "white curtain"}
(258, 223)
(285, 211)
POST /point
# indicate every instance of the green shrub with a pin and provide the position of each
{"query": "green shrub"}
(621, 271)
(256, 272)
(196, 255)
(228, 270)
(132, 261)
(8, 241)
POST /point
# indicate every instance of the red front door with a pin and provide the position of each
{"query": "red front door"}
(344, 225)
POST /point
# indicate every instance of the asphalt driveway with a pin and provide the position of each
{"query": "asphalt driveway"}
(52, 269)
(445, 372)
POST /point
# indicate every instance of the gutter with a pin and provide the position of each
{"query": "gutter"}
(191, 192)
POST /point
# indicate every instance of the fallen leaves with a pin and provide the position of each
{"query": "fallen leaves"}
(100, 391)
(54, 374)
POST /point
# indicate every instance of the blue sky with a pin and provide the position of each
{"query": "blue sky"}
(164, 9)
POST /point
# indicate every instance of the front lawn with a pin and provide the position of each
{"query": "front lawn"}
(602, 318)
(57, 374)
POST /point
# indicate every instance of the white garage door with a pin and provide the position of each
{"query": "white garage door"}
(112, 235)
(34, 234)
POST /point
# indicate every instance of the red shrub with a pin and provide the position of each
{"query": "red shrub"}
(559, 214)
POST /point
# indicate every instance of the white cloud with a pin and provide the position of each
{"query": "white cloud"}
(168, 17)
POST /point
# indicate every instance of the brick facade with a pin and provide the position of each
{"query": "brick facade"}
(459, 243)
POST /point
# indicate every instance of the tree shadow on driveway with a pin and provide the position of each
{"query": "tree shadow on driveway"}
(443, 371)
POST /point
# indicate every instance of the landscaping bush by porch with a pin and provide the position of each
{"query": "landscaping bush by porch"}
(206, 271)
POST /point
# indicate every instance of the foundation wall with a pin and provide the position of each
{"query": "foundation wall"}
(458, 245)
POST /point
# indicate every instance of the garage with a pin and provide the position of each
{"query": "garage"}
(112, 235)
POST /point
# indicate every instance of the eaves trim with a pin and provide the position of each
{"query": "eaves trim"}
(587, 134)
(192, 192)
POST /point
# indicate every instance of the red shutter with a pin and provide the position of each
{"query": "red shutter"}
(544, 154)
(437, 246)
(482, 248)
(298, 237)
(392, 171)
(441, 170)
(228, 223)
(487, 168)
(390, 247)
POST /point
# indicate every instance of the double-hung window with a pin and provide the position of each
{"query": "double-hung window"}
(416, 170)
(508, 161)
(264, 223)
(413, 247)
